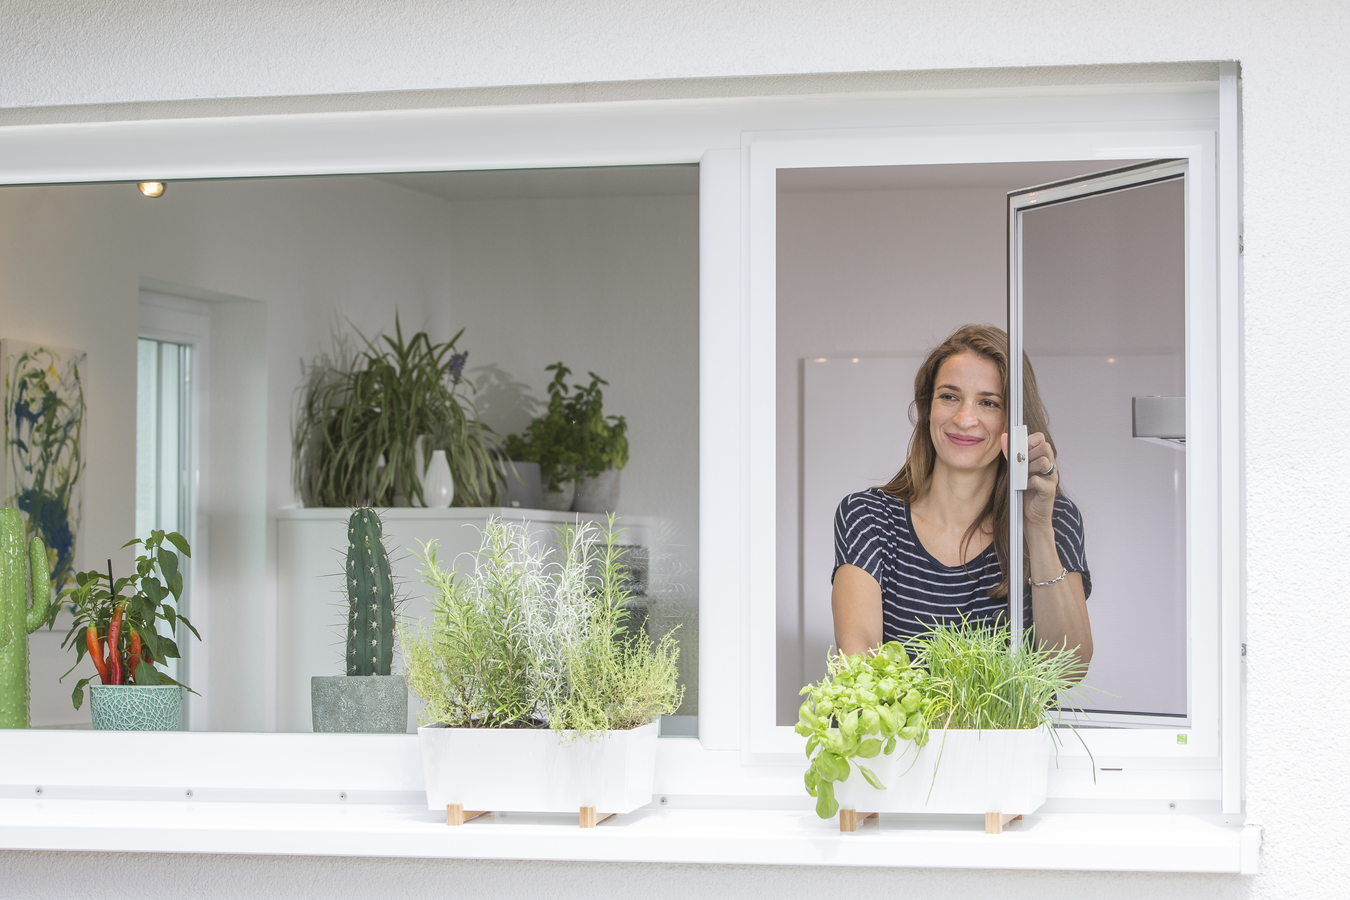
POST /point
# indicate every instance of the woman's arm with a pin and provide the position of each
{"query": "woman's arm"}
(856, 601)
(1059, 609)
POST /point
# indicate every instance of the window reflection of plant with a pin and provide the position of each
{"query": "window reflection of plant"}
(574, 439)
(45, 407)
(377, 403)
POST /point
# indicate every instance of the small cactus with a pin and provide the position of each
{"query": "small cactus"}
(370, 597)
(18, 616)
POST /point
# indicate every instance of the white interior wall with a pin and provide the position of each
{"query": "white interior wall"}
(1297, 240)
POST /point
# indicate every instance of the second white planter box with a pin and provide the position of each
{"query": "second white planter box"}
(996, 773)
(475, 770)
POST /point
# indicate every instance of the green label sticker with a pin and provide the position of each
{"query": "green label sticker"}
(1181, 739)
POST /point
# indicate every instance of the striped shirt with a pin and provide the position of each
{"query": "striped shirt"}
(873, 531)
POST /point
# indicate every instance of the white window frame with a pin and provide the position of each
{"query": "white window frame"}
(764, 156)
(739, 756)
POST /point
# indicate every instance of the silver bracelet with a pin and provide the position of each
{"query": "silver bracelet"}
(1062, 576)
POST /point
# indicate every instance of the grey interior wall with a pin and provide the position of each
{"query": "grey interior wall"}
(604, 284)
(889, 273)
(868, 273)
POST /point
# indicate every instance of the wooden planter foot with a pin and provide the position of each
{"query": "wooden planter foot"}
(456, 814)
(850, 819)
(994, 822)
(589, 817)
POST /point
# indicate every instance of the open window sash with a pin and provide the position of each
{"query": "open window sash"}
(1023, 204)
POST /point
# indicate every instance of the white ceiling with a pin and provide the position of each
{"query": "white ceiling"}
(1003, 176)
(524, 184)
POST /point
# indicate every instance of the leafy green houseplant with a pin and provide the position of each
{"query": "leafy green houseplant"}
(573, 439)
(362, 415)
(118, 625)
(539, 696)
(369, 698)
(967, 735)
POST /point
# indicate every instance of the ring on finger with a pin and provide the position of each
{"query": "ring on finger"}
(1048, 472)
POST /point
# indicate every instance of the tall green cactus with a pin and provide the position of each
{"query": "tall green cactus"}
(18, 618)
(370, 597)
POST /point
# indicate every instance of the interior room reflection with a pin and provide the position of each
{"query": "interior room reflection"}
(199, 311)
(876, 266)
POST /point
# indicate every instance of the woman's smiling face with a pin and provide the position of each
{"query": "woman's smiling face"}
(967, 416)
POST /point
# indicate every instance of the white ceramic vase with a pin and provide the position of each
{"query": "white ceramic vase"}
(438, 485)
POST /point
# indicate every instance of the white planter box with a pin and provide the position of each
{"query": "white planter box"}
(534, 770)
(958, 772)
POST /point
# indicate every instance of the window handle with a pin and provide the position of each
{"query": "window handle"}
(1017, 453)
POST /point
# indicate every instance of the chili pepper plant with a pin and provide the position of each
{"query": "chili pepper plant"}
(117, 620)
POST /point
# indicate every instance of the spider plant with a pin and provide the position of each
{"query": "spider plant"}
(362, 413)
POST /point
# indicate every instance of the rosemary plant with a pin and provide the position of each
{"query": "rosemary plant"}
(358, 408)
(533, 637)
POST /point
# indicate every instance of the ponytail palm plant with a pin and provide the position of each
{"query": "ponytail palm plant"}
(362, 414)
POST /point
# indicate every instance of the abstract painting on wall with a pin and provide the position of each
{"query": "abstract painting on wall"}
(44, 447)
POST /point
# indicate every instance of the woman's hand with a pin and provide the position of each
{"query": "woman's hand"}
(1038, 501)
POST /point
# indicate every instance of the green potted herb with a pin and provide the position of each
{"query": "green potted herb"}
(369, 698)
(367, 419)
(539, 696)
(962, 728)
(118, 625)
(579, 449)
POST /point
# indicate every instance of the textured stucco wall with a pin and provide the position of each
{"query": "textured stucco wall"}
(1296, 188)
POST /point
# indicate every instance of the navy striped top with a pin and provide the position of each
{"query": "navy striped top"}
(872, 530)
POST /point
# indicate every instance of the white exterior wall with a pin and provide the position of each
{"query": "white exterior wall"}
(1297, 241)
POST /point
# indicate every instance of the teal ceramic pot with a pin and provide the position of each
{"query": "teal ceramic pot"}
(133, 707)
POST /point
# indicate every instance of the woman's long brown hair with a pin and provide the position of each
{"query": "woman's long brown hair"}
(916, 475)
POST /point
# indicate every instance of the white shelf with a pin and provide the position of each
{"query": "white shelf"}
(1119, 842)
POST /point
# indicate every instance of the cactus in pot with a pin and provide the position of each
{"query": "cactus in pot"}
(370, 597)
(18, 616)
(369, 699)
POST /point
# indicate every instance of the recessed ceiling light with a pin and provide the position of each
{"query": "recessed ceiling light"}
(151, 188)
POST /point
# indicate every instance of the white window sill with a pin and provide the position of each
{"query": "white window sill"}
(1065, 841)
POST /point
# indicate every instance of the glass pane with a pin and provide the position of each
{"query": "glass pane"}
(1103, 326)
(163, 443)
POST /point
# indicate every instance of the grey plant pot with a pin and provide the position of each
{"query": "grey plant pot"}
(599, 494)
(560, 501)
(135, 707)
(359, 704)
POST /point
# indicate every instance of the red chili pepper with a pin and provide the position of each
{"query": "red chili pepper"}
(114, 654)
(134, 657)
(96, 652)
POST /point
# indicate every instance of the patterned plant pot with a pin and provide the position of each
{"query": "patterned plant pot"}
(364, 704)
(134, 707)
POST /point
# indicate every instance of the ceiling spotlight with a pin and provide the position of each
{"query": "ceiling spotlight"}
(151, 188)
